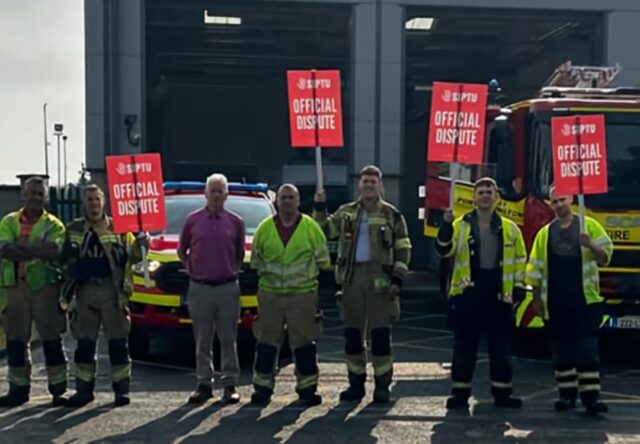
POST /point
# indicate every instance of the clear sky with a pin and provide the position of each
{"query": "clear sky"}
(41, 60)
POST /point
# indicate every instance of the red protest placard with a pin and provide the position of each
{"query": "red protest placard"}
(315, 108)
(457, 123)
(136, 193)
(579, 154)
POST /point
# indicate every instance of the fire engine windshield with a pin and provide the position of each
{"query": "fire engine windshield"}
(252, 210)
(623, 161)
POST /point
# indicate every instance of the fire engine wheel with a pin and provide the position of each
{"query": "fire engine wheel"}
(139, 343)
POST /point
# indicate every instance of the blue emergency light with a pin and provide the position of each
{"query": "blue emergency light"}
(233, 186)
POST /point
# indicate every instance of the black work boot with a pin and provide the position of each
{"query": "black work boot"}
(457, 402)
(121, 391)
(382, 394)
(507, 401)
(355, 391)
(309, 397)
(202, 394)
(595, 407)
(261, 395)
(563, 404)
(58, 394)
(17, 395)
(83, 394)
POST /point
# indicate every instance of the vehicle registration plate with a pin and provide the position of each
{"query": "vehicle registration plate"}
(627, 322)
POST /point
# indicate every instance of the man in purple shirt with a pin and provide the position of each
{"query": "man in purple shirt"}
(212, 250)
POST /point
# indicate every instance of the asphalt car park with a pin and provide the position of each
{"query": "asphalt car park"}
(422, 348)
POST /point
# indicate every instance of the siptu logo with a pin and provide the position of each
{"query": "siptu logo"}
(566, 129)
(446, 95)
(133, 168)
(302, 83)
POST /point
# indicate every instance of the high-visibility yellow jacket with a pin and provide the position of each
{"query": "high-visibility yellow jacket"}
(538, 271)
(292, 268)
(38, 274)
(389, 241)
(460, 243)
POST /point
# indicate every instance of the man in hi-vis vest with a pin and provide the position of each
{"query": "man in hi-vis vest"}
(30, 243)
(563, 270)
(288, 251)
(489, 259)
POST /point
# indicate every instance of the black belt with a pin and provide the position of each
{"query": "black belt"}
(215, 283)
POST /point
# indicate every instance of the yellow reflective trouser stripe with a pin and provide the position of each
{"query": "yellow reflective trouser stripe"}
(569, 384)
(20, 376)
(262, 380)
(460, 385)
(588, 375)
(501, 384)
(589, 387)
(306, 381)
(402, 243)
(382, 366)
(85, 372)
(565, 373)
(401, 265)
(57, 374)
(355, 367)
(120, 372)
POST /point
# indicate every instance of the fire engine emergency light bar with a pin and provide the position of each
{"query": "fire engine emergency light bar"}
(233, 186)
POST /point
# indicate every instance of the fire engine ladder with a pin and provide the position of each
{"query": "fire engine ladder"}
(571, 76)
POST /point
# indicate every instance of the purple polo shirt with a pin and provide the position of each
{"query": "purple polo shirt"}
(214, 244)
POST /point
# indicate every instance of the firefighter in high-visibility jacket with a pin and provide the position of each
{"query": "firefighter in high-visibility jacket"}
(99, 282)
(563, 271)
(489, 259)
(288, 251)
(30, 244)
(374, 251)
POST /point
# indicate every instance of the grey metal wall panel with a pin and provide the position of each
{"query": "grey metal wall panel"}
(622, 35)
(364, 86)
(364, 147)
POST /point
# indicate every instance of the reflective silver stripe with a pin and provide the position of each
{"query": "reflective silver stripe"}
(501, 384)
(402, 243)
(601, 241)
(565, 373)
(537, 262)
(570, 384)
(460, 385)
(508, 262)
(588, 375)
(589, 388)
(534, 275)
(401, 265)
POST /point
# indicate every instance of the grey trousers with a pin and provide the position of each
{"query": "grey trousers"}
(215, 311)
